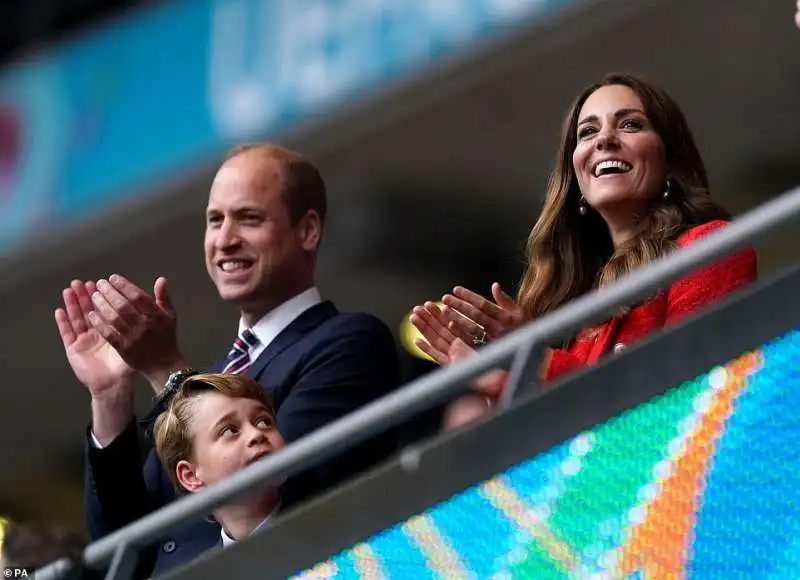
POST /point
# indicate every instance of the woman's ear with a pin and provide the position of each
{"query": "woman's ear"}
(187, 476)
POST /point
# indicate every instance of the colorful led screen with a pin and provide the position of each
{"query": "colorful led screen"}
(701, 482)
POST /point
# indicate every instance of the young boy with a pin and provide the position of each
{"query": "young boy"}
(216, 425)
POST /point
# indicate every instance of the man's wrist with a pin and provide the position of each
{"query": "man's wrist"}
(120, 396)
(95, 441)
(158, 376)
(111, 414)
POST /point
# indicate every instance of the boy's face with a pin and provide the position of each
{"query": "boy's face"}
(228, 434)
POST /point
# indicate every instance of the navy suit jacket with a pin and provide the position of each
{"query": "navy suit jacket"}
(324, 365)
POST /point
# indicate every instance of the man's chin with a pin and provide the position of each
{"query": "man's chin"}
(236, 295)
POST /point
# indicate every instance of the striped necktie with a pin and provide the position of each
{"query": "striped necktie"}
(238, 360)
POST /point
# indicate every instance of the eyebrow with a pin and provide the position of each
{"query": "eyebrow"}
(617, 115)
(223, 419)
(238, 210)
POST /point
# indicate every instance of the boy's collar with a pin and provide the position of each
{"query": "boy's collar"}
(227, 539)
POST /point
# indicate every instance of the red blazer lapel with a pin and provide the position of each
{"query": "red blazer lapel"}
(604, 339)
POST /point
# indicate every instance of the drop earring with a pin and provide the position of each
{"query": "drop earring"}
(667, 190)
(583, 206)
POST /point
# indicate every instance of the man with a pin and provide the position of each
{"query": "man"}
(264, 222)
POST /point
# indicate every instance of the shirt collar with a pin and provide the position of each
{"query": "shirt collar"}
(227, 540)
(277, 319)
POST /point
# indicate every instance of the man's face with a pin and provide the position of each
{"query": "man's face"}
(250, 243)
(227, 434)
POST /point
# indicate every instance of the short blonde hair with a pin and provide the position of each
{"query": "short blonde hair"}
(172, 433)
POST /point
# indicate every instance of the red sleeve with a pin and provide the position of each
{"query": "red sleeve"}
(697, 290)
(711, 283)
(559, 362)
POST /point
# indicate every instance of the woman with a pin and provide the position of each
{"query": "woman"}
(629, 186)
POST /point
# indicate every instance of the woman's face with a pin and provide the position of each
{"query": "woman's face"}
(619, 158)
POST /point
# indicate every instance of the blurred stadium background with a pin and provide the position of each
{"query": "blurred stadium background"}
(434, 123)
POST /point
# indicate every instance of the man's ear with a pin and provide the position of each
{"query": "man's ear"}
(309, 229)
(187, 476)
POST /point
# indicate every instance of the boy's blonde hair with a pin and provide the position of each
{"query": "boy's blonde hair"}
(172, 432)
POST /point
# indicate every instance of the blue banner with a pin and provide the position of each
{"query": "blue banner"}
(125, 107)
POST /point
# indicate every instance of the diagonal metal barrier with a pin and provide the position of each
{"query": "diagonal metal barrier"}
(370, 522)
(519, 351)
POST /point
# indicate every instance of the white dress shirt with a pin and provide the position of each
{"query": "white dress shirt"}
(227, 540)
(270, 326)
(277, 319)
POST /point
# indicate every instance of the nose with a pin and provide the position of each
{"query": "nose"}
(606, 139)
(256, 437)
(227, 235)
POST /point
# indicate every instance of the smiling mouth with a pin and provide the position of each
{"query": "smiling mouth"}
(611, 167)
(233, 266)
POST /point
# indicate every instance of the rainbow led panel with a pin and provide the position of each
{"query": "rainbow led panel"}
(701, 482)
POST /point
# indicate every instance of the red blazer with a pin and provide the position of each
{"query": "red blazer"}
(685, 296)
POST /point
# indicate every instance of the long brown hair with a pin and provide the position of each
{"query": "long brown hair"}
(569, 254)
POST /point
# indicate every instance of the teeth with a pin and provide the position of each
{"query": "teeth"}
(621, 165)
(232, 265)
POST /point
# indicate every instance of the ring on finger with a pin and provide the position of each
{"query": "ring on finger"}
(480, 340)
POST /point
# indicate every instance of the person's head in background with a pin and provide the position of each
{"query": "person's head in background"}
(216, 425)
(797, 15)
(30, 545)
(628, 180)
(264, 221)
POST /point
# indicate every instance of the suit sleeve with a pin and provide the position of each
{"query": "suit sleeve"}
(121, 487)
(354, 366)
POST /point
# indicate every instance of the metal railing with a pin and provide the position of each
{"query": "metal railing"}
(519, 350)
